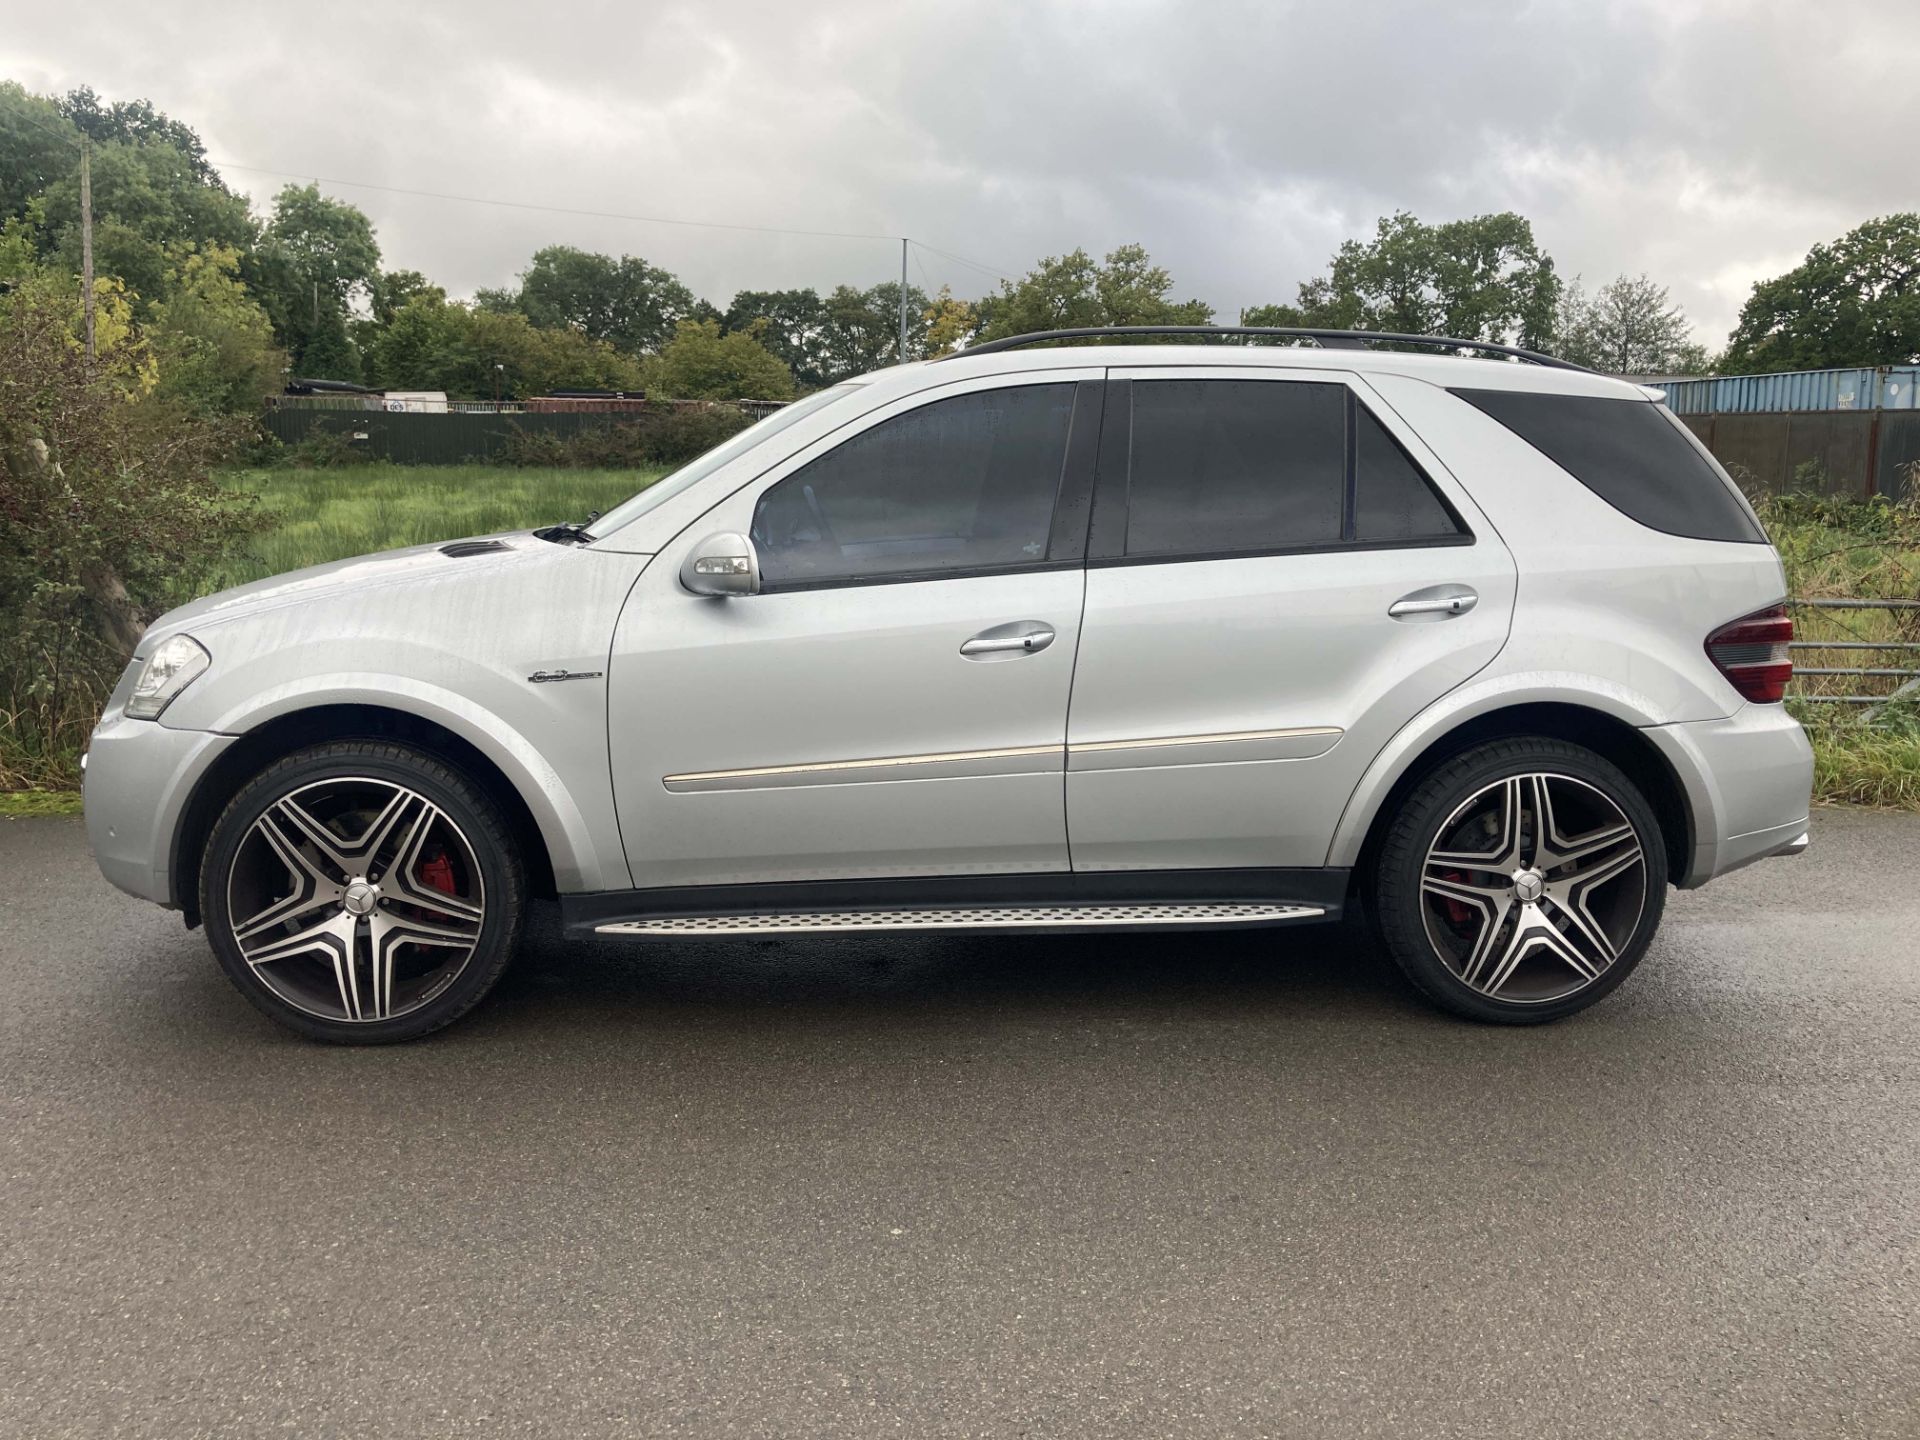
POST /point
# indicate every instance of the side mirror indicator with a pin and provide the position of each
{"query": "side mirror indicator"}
(723, 564)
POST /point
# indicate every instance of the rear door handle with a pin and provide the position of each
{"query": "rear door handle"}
(1004, 642)
(1436, 602)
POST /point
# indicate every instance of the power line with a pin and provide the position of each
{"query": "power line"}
(994, 271)
(997, 274)
(561, 209)
(72, 136)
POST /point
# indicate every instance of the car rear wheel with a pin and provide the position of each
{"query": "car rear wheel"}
(1521, 881)
(362, 892)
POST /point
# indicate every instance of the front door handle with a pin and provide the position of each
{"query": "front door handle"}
(1004, 642)
(1436, 602)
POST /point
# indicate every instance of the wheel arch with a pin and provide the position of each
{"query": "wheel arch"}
(1614, 738)
(297, 729)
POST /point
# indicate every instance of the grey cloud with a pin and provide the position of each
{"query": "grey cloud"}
(1706, 143)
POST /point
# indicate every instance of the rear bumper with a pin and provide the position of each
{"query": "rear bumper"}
(139, 776)
(1748, 780)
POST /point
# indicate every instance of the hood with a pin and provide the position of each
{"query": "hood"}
(449, 562)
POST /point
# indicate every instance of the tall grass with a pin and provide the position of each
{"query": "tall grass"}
(319, 515)
(1844, 549)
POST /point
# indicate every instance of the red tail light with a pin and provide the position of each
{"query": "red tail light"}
(1752, 653)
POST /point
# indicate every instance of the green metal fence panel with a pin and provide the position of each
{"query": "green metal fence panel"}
(417, 439)
(1896, 470)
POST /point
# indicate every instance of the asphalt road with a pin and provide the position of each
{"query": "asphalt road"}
(1210, 1186)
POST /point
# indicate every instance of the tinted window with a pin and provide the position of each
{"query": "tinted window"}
(1225, 465)
(1630, 454)
(1393, 500)
(959, 484)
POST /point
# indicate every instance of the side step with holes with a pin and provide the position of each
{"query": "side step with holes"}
(983, 917)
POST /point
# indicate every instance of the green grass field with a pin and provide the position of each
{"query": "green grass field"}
(320, 515)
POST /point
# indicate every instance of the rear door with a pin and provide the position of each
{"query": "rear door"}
(1280, 576)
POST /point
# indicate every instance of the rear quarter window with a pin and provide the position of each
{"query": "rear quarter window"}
(1630, 454)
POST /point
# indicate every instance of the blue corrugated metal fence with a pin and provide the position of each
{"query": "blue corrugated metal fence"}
(1889, 387)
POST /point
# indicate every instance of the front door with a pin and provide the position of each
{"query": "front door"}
(894, 702)
(1280, 576)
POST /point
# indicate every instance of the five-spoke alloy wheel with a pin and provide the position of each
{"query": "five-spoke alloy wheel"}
(1521, 881)
(362, 892)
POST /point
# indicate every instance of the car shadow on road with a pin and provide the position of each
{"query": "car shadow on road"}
(1295, 968)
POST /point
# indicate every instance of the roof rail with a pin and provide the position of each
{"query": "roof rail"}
(1328, 339)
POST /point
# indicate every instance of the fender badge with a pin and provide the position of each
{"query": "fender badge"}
(543, 677)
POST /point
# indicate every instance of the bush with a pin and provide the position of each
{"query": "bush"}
(668, 435)
(106, 501)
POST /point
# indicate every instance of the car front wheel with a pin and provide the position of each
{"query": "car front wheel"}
(362, 892)
(1521, 881)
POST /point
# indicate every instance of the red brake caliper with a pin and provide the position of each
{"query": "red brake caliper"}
(1457, 911)
(436, 872)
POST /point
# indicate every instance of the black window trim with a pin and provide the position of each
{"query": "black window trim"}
(1072, 500)
(1106, 548)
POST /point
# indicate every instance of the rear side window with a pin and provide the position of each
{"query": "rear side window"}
(1392, 499)
(1224, 465)
(1629, 454)
(1221, 467)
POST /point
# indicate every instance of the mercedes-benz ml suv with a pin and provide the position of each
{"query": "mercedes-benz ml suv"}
(1156, 637)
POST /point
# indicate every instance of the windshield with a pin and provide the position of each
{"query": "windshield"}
(694, 471)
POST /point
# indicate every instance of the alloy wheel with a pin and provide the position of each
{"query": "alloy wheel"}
(1533, 887)
(356, 899)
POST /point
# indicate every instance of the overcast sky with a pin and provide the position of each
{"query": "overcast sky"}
(1705, 142)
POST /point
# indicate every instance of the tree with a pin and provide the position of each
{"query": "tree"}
(793, 326)
(861, 329)
(1478, 279)
(394, 288)
(431, 344)
(1070, 291)
(137, 122)
(153, 204)
(317, 261)
(38, 145)
(950, 323)
(1853, 302)
(213, 342)
(108, 508)
(1629, 327)
(628, 303)
(702, 362)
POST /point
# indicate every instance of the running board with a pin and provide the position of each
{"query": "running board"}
(1209, 916)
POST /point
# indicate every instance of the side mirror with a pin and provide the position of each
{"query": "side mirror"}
(723, 564)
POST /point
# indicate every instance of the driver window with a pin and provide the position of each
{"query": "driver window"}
(961, 484)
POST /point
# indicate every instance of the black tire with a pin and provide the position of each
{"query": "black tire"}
(500, 875)
(1415, 925)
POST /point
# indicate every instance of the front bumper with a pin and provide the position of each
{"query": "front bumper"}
(139, 776)
(1749, 780)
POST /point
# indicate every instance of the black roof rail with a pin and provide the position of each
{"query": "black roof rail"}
(1328, 339)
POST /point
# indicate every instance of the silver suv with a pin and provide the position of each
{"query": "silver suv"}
(1164, 637)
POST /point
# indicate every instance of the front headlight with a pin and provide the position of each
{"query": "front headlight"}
(173, 666)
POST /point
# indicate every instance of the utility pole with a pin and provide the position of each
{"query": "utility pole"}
(86, 239)
(903, 299)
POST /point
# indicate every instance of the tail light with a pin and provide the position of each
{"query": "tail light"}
(1752, 653)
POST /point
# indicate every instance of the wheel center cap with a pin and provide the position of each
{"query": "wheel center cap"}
(1529, 885)
(360, 898)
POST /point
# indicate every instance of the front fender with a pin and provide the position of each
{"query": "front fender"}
(573, 811)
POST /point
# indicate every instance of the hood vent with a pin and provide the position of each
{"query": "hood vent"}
(460, 549)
